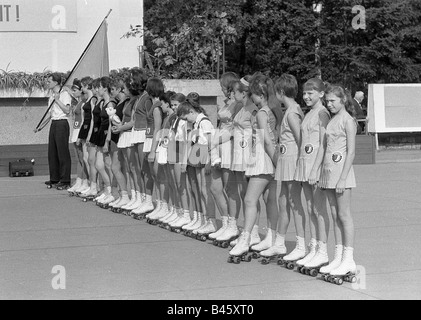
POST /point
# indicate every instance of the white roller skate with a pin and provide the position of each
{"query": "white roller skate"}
(75, 187)
(325, 271)
(265, 244)
(169, 217)
(320, 260)
(178, 223)
(290, 260)
(105, 203)
(190, 228)
(230, 233)
(208, 228)
(221, 230)
(277, 251)
(154, 216)
(83, 188)
(312, 252)
(241, 251)
(347, 270)
(186, 229)
(254, 238)
(90, 194)
(124, 209)
(116, 206)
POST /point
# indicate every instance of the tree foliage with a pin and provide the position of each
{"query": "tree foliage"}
(188, 39)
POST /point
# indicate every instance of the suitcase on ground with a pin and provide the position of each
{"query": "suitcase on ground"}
(21, 168)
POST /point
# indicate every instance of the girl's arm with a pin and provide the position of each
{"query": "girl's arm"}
(157, 119)
(208, 164)
(263, 127)
(351, 131)
(323, 121)
(186, 149)
(82, 112)
(91, 127)
(124, 127)
(294, 123)
(109, 132)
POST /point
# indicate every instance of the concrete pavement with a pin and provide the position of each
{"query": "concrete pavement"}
(109, 256)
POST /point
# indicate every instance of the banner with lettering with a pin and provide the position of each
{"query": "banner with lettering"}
(38, 16)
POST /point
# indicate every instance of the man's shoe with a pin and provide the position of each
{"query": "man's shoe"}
(62, 186)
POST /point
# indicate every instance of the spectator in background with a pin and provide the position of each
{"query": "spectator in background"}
(358, 99)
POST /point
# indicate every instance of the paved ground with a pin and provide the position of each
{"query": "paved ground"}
(108, 256)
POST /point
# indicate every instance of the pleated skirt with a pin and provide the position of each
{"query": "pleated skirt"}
(287, 163)
(331, 172)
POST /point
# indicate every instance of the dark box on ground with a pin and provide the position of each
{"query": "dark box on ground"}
(21, 168)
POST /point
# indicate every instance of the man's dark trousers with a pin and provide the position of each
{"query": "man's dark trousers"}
(59, 159)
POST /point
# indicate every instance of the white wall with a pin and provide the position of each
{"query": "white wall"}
(37, 51)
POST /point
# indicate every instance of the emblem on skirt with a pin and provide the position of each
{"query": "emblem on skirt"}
(243, 144)
(166, 142)
(148, 130)
(337, 157)
(76, 125)
(283, 149)
(309, 148)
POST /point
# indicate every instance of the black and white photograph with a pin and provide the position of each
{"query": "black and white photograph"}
(210, 157)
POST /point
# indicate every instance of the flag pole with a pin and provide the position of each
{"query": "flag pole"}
(37, 129)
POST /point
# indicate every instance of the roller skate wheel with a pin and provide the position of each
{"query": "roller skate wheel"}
(237, 260)
(313, 273)
(229, 260)
(224, 245)
(265, 261)
(256, 255)
(280, 262)
(353, 279)
(290, 266)
(339, 281)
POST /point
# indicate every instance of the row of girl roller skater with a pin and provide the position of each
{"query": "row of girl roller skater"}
(162, 145)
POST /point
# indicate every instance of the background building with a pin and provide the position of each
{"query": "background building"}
(38, 35)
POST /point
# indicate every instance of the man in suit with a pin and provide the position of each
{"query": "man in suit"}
(358, 98)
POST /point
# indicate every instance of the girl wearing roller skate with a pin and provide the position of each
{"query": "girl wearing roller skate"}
(143, 103)
(154, 178)
(84, 133)
(237, 184)
(167, 184)
(103, 158)
(82, 173)
(290, 191)
(338, 178)
(199, 164)
(313, 135)
(177, 146)
(260, 167)
(118, 165)
(125, 129)
(221, 154)
(92, 142)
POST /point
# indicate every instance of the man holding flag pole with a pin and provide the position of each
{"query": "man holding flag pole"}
(89, 64)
